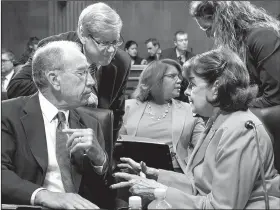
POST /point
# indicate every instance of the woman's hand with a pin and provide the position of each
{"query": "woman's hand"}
(138, 185)
(141, 169)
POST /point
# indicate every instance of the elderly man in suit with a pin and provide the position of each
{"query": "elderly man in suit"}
(98, 33)
(45, 140)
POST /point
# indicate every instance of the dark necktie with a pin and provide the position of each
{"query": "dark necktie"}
(180, 59)
(62, 155)
(95, 75)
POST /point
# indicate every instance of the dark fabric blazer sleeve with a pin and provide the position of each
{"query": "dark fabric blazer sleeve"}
(122, 63)
(264, 50)
(22, 83)
(15, 190)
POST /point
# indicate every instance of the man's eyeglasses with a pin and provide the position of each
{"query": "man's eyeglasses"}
(106, 45)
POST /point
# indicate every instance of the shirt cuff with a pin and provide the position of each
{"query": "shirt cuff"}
(99, 169)
(32, 199)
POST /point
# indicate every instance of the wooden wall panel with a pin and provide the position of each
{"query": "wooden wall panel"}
(142, 20)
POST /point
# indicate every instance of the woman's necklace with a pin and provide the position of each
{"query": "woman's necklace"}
(161, 116)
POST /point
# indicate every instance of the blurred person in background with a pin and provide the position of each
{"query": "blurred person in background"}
(155, 114)
(32, 45)
(154, 51)
(7, 70)
(231, 166)
(180, 52)
(254, 35)
(131, 48)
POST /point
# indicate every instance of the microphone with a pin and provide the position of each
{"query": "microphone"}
(251, 125)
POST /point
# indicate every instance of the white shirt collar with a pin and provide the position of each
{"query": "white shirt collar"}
(49, 110)
(178, 54)
(9, 76)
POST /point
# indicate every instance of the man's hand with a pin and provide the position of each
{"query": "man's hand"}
(55, 200)
(84, 141)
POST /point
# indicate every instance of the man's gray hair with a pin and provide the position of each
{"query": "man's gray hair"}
(97, 19)
(50, 57)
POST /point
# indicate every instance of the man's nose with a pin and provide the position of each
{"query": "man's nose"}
(111, 49)
(187, 91)
(90, 80)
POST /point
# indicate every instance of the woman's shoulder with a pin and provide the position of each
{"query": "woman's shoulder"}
(261, 35)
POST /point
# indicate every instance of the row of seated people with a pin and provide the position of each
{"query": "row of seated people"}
(179, 52)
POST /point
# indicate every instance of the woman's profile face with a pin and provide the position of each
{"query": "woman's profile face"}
(198, 91)
(171, 83)
(132, 50)
(206, 24)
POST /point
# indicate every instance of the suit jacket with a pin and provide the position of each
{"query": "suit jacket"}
(186, 129)
(4, 95)
(225, 170)
(171, 53)
(112, 83)
(25, 157)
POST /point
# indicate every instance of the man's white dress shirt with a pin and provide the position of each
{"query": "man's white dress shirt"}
(52, 180)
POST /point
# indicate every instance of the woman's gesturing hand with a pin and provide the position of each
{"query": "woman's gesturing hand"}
(137, 185)
(130, 166)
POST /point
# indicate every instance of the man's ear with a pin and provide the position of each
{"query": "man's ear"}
(82, 35)
(54, 79)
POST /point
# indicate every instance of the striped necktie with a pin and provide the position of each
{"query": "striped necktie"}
(62, 155)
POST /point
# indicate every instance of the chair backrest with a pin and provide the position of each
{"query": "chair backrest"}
(270, 117)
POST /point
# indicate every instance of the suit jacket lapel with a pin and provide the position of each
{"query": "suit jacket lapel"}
(136, 113)
(106, 85)
(75, 122)
(200, 154)
(33, 124)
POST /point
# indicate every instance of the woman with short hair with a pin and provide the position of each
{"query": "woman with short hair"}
(231, 166)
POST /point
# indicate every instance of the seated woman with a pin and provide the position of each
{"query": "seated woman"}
(155, 114)
(231, 166)
(131, 48)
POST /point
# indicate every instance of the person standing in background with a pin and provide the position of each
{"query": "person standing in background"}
(254, 35)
